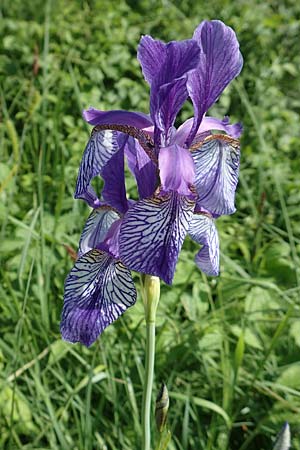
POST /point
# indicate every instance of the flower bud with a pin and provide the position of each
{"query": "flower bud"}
(283, 441)
(161, 407)
(151, 296)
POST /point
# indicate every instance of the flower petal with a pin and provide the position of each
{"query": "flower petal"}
(212, 123)
(208, 124)
(97, 291)
(177, 170)
(168, 88)
(114, 191)
(164, 108)
(151, 55)
(120, 117)
(142, 167)
(101, 146)
(203, 230)
(111, 243)
(220, 62)
(152, 234)
(96, 228)
(217, 169)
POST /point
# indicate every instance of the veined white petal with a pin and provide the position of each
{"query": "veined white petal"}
(203, 230)
(97, 291)
(217, 168)
(152, 233)
(100, 148)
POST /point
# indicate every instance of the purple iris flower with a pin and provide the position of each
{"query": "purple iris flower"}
(186, 178)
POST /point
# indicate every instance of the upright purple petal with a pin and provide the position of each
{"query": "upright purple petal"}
(97, 291)
(151, 55)
(165, 106)
(177, 170)
(220, 62)
(96, 229)
(208, 124)
(114, 191)
(152, 233)
(217, 167)
(168, 85)
(142, 167)
(120, 117)
(202, 229)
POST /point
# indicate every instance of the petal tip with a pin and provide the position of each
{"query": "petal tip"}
(89, 115)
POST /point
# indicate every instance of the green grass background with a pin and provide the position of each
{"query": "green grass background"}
(227, 347)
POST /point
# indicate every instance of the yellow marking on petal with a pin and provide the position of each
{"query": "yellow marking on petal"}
(144, 139)
(217, 137)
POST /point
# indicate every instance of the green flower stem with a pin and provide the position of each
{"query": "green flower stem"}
(151, 293)
(149, 371)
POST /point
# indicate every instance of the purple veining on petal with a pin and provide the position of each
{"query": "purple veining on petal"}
(111, 241)
(152, 233)
(171, 97)
(142, 167)
(114, 191)
(217, 168)
(101, 146)
(202, 229)
(168, 87)
(208, 124)
(151, 55)
(177, 170)
(97, 291)
(119, 117)
(220, 62)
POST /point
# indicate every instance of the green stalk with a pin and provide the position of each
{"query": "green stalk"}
(151, 293)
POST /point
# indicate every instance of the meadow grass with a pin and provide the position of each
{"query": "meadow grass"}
(228, 348)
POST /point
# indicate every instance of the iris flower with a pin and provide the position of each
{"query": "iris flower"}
(186, 178)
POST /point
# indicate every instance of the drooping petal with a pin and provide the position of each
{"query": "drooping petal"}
(202, 229)
(152, 233)
(97, 291)
(217, 167)
(177, 170)
(220, 62)
(101, 146)
(142, 167)
(90, 197)
(151, 55)
(143, 136)
(114, 191)
(168, 88)
(208, 124)
(135, 119)
(96, 228)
